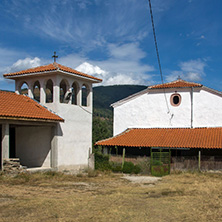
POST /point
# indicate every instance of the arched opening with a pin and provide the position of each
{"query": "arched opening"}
(85, 95)
(36, 91)
(75, 89)
(63, 90)
(49, 91)
(24, 89)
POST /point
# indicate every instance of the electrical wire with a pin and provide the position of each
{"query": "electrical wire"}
(157, 53)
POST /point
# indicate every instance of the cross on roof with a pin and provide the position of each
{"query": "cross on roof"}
(55, 56)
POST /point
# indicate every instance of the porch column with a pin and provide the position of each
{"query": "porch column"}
(5, 141)
(54, 147)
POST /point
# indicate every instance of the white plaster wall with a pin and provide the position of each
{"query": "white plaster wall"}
(149, 110)
(33, 146)
(74, 141)
(75, 138)
(207, 109)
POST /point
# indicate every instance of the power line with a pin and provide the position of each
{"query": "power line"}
(157, 53)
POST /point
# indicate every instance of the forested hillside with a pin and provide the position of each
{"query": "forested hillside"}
(103, 97)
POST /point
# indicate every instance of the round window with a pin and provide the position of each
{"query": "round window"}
(175, 99)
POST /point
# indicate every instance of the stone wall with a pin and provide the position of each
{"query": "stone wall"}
(12, 166)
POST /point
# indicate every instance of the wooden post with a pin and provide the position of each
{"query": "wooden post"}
(199, 160)
(124, 151)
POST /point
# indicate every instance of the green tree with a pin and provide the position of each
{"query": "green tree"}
(102, 129)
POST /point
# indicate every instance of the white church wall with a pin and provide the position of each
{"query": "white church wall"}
(207, 109)
(33, 145)
(74, 142)
(149, 110)
(75, 137)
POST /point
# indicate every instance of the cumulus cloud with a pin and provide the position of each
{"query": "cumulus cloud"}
(109, 78)
(123, 66)
(192, 70)
(26, 63)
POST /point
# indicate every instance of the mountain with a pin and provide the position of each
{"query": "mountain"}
(103, 97)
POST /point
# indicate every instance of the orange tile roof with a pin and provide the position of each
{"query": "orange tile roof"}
(14, 106)
(175, 84)
(168, 137)
(51, 67)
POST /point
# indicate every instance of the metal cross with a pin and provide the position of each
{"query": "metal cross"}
(54, 56)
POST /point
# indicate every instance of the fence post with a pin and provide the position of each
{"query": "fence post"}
(123, 160)
(199, 160)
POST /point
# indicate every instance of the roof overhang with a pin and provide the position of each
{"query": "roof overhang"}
(173, 138)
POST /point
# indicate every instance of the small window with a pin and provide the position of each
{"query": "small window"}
(175, 99)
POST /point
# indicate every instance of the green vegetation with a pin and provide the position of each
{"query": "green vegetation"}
(103, 97)
(102, 163)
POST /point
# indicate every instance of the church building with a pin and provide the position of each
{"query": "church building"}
(50, 126)
(179, 115)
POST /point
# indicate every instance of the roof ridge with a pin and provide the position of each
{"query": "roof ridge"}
(167, 84)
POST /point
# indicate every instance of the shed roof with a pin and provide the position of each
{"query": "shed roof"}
(47, 68)
(17, 106)
(209, 138)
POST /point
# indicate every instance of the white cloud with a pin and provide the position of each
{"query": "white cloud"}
(122, 67)
(22, 64)
(192, 70)
(110, 78)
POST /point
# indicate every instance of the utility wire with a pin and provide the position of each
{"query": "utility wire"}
(157, 53)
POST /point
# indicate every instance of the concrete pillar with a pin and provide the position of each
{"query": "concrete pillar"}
(56, 94)
(5, 141)
(42, 95)
(79, 96)
(30, 94)
(54, 147)
(16, 88)
(89, 97)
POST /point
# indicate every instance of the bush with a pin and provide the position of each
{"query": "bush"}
(137, 169)
(128, 167)
(157, 163)
(116, 167)
(101, 161)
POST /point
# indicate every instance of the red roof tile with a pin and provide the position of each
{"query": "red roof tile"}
(13, 105)
(175, 84)
(50, 67)
(168, 137)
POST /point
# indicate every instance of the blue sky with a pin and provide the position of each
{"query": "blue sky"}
(113, 40)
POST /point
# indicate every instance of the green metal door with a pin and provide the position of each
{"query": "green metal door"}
(160, 163)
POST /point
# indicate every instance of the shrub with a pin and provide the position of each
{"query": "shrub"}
(157, 163)
(128, 167)
(101, 161)
(116, 167)
(137, 169)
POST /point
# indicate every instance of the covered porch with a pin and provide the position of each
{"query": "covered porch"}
(32, 142)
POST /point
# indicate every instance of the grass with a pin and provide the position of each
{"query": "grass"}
(107, 197)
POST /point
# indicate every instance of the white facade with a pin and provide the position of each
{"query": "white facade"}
(151, 108)
(67, 145)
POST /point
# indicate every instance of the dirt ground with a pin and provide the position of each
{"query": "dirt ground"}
(111, 197)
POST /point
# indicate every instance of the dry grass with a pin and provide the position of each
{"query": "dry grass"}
(107, 197)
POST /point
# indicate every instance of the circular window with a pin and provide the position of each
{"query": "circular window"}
(175, 99)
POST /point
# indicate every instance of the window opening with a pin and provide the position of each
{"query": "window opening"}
(36, 91)
(49, 91)
(63, 90)
(74, 93)
(85, 94)
(24, 89)
(175, 99)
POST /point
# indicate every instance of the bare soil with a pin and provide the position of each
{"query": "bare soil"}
(110, 197)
